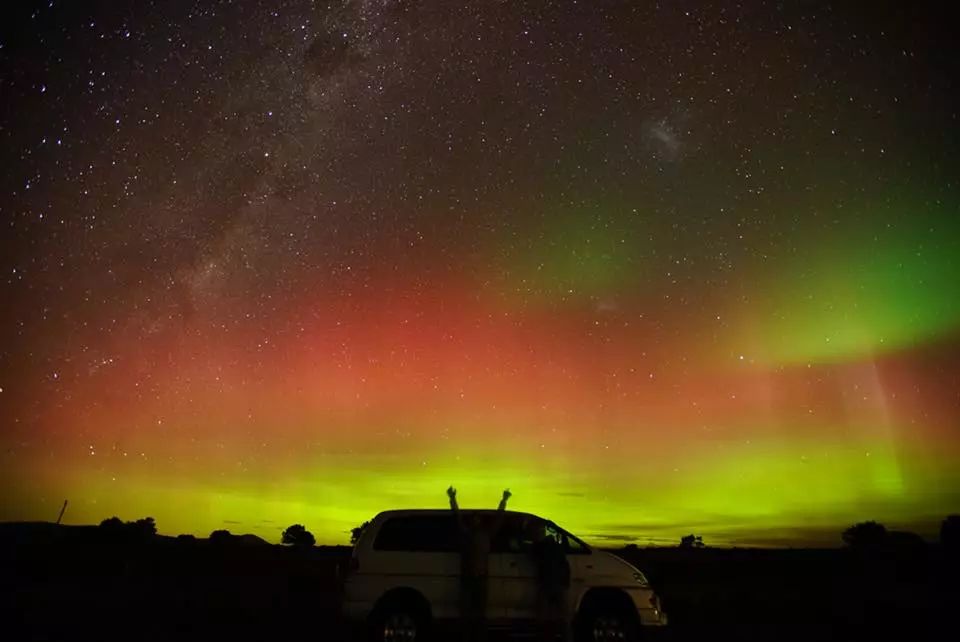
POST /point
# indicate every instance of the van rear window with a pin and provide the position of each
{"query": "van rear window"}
(423, 533)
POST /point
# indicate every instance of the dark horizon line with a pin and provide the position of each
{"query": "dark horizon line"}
(612, 541)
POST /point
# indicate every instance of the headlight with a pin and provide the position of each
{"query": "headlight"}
(641, 579)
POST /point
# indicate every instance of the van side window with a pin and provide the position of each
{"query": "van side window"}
(418, 533)
(518, 536)
(571, 544)
(553, 532)
(510, 537)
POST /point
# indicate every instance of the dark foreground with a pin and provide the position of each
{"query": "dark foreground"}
(69, 584)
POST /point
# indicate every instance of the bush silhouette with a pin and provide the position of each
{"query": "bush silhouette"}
(950, 534)
(865, 536)
(691, 541)
(297, 535)
(906, 545)
(138, 531)
(356, 532)
(220, 536)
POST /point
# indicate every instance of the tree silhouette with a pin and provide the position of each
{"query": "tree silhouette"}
(356, 532)
(112, 524)
(691, 541)
(220, 536)
(145, 527)
(865, 536)
(297, 535)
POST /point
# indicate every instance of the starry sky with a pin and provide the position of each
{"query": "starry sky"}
(659, 268)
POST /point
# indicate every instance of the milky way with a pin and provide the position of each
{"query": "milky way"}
(660, 269)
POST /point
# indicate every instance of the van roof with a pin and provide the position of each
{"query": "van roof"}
(403, 512)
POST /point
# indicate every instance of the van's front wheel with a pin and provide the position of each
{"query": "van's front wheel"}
(607, 625)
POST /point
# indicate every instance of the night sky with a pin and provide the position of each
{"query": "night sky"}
(659, 268)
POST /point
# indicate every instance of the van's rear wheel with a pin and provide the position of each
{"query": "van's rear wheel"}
(399, 627)
(398, 622)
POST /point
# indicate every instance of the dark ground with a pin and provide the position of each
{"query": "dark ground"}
(69, 583)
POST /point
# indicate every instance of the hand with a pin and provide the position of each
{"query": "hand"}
(507, 494)
(452, 492)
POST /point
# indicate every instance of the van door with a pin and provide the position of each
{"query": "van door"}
(521, 583)
(516, 568)
(581, 561)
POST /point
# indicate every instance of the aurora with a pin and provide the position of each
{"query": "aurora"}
(657, 271)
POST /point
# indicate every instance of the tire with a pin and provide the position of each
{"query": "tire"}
(607, 625)
(399, 621)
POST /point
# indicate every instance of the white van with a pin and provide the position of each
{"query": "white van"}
(404, 580)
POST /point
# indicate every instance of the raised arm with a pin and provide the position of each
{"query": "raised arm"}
(501, 512)
(452, 494)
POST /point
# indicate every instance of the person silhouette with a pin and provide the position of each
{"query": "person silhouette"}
(553, 582)
(476, 536)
